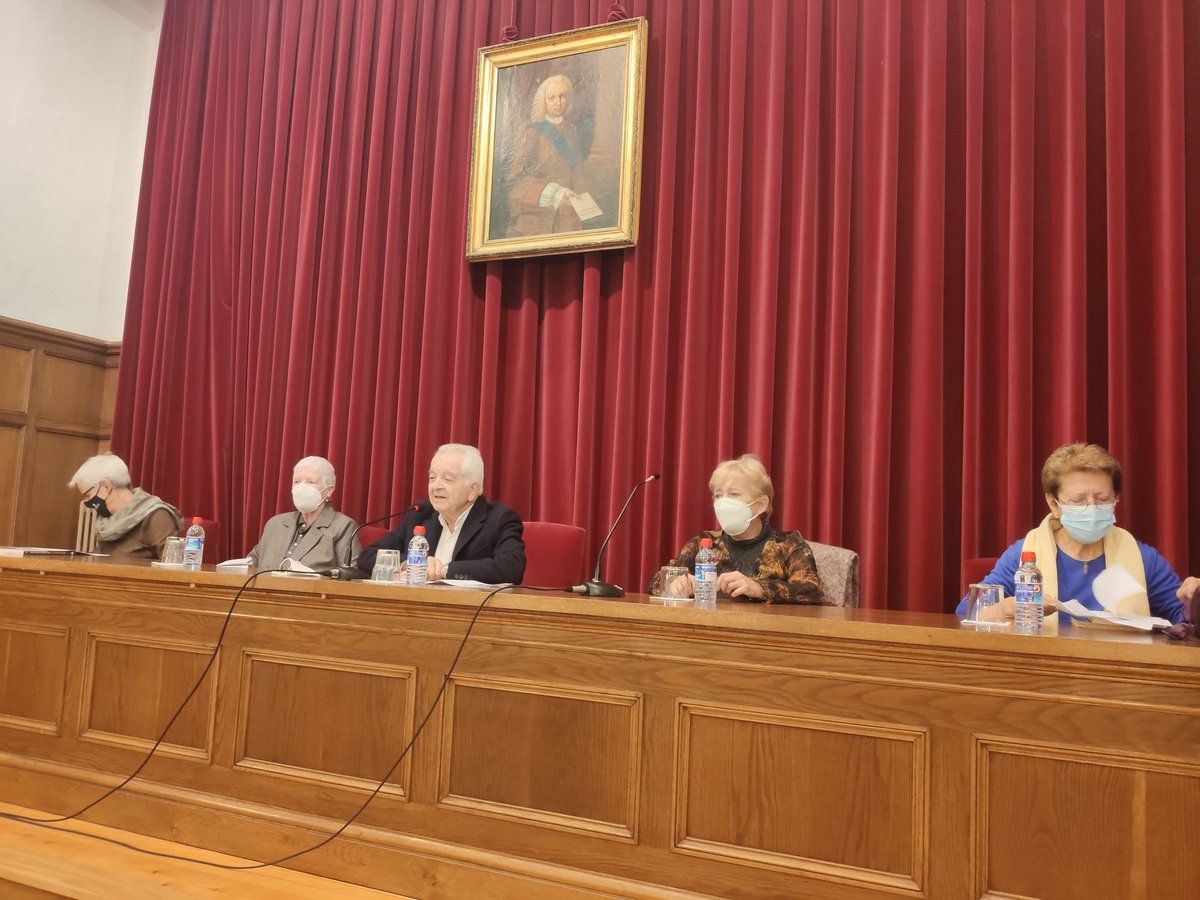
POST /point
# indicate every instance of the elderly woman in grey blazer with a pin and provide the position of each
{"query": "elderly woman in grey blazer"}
(315, 535)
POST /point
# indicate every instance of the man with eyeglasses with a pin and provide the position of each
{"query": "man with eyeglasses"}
(130, 523)
(1079, 539)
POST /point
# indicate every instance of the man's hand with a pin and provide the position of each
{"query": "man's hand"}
(435, 569)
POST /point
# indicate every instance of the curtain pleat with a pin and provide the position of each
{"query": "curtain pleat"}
(900, 249)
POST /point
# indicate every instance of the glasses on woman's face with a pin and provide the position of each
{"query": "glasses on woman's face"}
(1078, 504)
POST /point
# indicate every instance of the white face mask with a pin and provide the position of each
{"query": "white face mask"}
(734, 516)
(307, 497)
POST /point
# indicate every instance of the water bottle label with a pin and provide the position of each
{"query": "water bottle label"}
(193, 543)
(416, 557)
(706, 572)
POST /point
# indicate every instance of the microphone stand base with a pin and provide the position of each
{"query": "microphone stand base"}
(602, 589)
(348, 573)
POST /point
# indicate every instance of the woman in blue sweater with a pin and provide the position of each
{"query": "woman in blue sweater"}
(1079, 539)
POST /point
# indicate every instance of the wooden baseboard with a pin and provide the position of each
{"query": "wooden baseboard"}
(79, 859)
(388, 862)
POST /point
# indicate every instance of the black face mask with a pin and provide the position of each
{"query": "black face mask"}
(98, 504)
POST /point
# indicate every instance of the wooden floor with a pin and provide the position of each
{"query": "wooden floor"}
(40, 862)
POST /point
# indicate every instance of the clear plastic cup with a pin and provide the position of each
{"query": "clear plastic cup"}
(387, 566)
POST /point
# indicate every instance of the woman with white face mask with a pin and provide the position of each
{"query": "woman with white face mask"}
(1079, 539)
(315, 534)
(755, 561)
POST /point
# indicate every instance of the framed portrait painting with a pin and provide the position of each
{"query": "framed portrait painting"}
(556, 157)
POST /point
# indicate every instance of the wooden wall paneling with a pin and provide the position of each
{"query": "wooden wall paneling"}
(53, 508)
(837, 799)
(11, 437)
(108, 397)
(543, 753)
(133, 685)
(763, 752)
(33, 671)
(1093, 805)
(16, 365)
(57, 394)
(1172, 798)
(325, 720)
(71, 390)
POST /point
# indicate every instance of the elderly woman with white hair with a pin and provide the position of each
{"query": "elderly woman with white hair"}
(315, 534)
(756, 562)
(130, 523)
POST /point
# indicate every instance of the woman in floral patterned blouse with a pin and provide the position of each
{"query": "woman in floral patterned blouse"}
(755, 561)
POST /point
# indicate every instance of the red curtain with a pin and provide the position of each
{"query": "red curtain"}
(901, 250)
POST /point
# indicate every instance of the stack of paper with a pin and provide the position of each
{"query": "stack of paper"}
(1112, 587)
(1077, 610)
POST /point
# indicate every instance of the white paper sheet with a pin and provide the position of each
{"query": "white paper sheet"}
(468, 583)
(1113, 585)
(1077, 610)
(586, 207)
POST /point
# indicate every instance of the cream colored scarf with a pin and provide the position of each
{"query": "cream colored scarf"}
(1120, 549)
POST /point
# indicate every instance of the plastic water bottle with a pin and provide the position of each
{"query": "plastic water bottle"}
(706, 575)
(193, 545)
(418, 556)
(1030, 611)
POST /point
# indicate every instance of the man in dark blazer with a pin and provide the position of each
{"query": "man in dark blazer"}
(469, 536)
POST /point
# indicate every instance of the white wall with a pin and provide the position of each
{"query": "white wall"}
(75, 80)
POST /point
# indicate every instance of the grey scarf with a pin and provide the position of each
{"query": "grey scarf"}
(131, 515)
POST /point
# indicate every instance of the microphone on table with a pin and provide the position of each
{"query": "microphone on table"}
(595, 587)
(348, 572)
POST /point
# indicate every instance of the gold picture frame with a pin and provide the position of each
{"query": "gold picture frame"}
(556, 154)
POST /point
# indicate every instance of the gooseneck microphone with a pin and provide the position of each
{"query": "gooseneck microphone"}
(595, 587)
(348, 572)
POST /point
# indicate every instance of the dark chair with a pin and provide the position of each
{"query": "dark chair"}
(554, 554)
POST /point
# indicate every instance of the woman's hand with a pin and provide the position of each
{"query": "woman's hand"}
(681, 587)
(1189, 589)
(1007, 609)
(735, 584)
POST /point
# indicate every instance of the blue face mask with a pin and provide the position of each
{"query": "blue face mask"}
(1089, 524)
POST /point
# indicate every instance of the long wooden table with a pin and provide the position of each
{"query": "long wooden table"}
(616, 747)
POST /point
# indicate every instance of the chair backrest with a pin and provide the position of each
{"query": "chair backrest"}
(838, 568)
(369, 534)
(85, 529)
(554, 554)
(975, 570)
